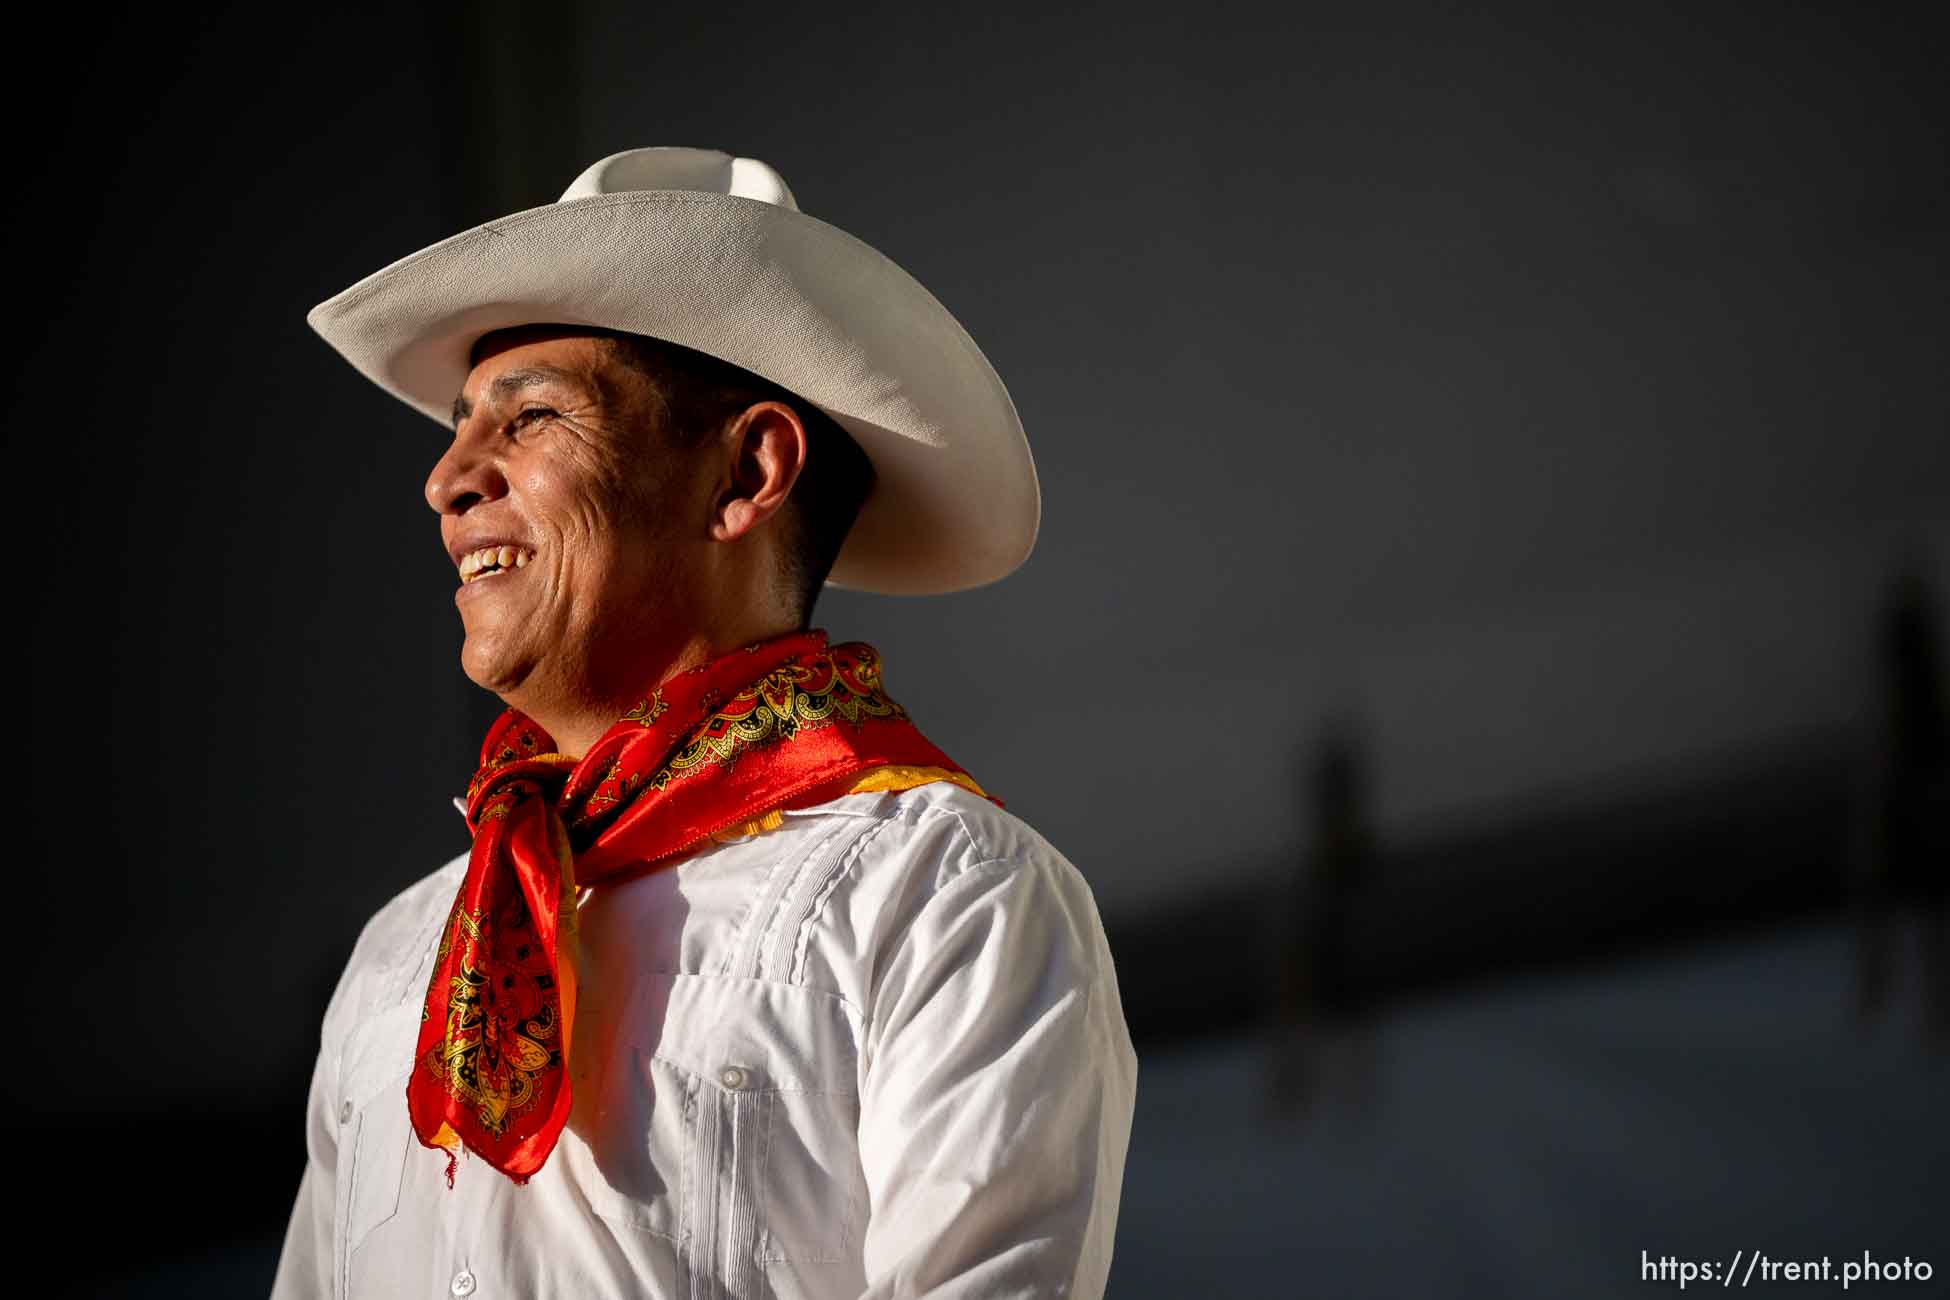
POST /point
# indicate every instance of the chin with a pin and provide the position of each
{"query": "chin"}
(493, 667)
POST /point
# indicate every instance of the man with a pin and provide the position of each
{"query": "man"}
(745, 988)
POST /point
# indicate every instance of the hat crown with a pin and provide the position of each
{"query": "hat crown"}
(670, 167)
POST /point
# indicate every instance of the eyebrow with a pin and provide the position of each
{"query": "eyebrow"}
(508, 383)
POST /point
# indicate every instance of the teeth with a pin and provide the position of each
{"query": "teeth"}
(491, 559)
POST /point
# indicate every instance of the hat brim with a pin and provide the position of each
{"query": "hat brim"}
(955, 502)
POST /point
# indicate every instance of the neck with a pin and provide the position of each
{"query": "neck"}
(579, 711)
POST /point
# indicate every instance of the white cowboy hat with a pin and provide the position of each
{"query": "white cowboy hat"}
(710, 251)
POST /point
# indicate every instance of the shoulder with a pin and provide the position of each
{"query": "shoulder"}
(408, 914)
(936, 834)
(953, 830)
(940, 857)
(390, 947)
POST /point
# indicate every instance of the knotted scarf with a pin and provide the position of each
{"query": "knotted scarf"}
(719, 749)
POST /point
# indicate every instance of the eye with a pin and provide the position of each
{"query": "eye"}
(530, 414)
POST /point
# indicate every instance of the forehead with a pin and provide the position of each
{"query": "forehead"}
(560, 344)
(505, 362)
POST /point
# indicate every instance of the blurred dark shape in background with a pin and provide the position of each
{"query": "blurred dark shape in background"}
(1552, 382)
(1740, 841)
(1323, 1044)
(1904, 888)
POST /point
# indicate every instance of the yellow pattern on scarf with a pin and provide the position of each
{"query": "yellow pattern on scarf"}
(890, 776)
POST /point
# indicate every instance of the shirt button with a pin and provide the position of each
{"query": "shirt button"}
(733, 1077)
(345, 1112)
(463, 1283)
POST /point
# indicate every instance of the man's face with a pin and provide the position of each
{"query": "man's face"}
(569, 513)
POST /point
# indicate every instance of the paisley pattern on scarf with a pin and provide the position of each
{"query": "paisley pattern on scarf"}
(783, 703)
(502, 1031)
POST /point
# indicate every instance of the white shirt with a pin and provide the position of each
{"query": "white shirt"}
(875, 1052)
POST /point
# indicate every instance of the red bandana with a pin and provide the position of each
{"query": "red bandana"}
(717, 747)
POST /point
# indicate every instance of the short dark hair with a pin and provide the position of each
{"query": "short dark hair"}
(699, 393)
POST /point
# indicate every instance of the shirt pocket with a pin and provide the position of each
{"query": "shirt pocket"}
(776, 1114)
(629, 1144)
(373, 1118)
(812, 1198)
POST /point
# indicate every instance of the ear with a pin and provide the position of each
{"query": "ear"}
(767, 445)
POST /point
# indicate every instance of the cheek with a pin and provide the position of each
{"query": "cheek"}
(653, 501)
(564, 503)
(595, 508)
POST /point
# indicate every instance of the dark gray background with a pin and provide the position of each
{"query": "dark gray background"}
(1548, 389)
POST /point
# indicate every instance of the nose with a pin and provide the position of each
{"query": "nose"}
(463, 477)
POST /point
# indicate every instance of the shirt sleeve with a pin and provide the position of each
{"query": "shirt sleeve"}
(391, 944)
(307, 1262)
(997, 1089)
(305, 1265)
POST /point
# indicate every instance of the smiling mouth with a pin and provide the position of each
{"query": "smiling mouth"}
(490, 560)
